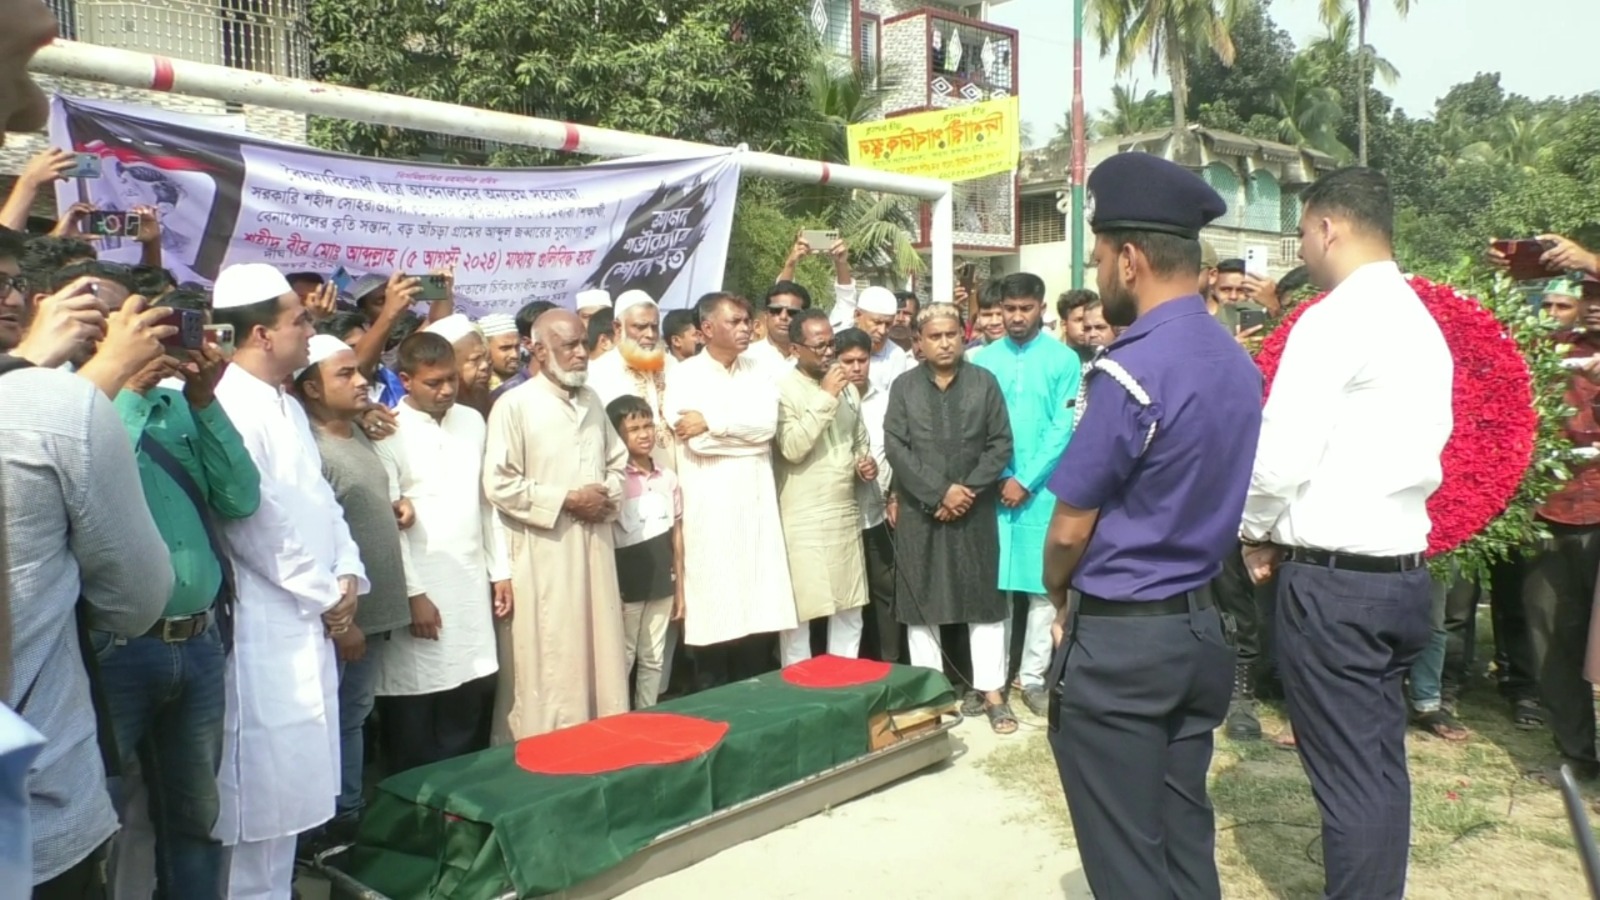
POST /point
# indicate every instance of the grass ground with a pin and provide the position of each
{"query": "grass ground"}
(1478, 828)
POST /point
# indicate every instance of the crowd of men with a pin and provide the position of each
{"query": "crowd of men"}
(226, 564)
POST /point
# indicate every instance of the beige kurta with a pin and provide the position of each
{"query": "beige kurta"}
(735, 570)
(820, 438)
(561, 653)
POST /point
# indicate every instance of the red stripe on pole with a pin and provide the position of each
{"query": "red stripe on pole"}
(826, 174)
(571, 143)
(162, 81)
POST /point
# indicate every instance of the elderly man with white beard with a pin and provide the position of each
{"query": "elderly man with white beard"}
(639, 366)
(553, 469)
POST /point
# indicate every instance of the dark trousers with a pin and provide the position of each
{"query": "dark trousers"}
(427, 728)
(166, 703)
(84, 881)
(734, 660)
(1558, 595)
(1246, 605)
(1140, 699)
(1345, 640)
(882, 635)
(1513, 653)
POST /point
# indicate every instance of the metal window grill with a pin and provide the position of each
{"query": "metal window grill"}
(869, 51)
(968, 63)
(1263, 203)
(258, 35)
(1042, 222)
(985, 211)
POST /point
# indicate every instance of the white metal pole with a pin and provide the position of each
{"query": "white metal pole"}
(943, 244)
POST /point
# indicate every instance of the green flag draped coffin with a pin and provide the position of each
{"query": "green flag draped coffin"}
(548, 812)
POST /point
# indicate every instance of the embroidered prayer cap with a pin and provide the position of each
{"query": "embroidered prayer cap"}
(453, 327)
(595, 299)
(629, 299)
(247, 283)
(1140, 192)
(322, 346)
(877, 301)
(496, 324)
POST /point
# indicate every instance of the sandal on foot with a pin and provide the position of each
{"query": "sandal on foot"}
(1001, 719)
(1442, 725)
(972, 704)
(1285, 741)
(1527, 715)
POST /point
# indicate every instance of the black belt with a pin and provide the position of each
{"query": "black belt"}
(1351, 562)
(178, 629)
(1089, 605)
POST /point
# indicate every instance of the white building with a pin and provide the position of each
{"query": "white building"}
(1260, 180)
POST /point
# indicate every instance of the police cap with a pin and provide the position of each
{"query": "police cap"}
(1140, 192)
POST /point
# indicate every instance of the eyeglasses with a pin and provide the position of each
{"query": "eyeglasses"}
(782, 311)
(8, 283)
(823, 349)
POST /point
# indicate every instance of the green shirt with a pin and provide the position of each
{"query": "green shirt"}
(208, 447)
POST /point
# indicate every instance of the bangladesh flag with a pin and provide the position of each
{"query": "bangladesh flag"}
(548, 812)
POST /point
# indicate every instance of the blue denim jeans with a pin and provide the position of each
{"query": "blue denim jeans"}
(356, 683)
(1427, 673)
(166, 703)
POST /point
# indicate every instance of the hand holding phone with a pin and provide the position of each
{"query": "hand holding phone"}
(112, 222)
(1251, 317)
(819, 241)
(220, 335)
(435, 287)
(1523, 259)
(89, 165)
(189, 329)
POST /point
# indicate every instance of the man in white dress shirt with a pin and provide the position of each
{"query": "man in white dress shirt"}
(435, 681)
(298, 575)
(882, 633)
(1348, 456)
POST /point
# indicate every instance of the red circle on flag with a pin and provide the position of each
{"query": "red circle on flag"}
(835, 672)
(620, 742)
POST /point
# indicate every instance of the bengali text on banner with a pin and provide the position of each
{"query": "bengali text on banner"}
(949, 144)
(511, 236)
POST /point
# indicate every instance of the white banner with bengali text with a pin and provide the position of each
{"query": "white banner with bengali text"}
(511, 236)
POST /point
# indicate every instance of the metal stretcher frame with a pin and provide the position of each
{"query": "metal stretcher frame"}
(703, 838)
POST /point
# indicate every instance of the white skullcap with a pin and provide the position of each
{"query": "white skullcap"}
(878, 301)
(595, 299)
(322, 346)
(247, 283)
(497, 323)
(453, 327)
(629, 299)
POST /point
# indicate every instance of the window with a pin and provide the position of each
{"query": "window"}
(1042, 223)
(1225, 181)
(833, 21)
(1290, 218)
(1263, 207)
(868, 50)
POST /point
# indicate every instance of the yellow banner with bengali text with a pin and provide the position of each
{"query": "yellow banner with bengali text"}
(949, 144)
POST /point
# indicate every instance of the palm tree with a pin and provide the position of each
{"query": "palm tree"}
(1165, 30)
(1309, 112)
(1331, 12)
(1130, 114)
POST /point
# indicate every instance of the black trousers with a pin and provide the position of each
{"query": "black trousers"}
(883, 637)
(84, 881)
(1247, 606)
(427, 728)
(1513, 652)
(1139, 702)
(1558, 595)
(1345, 640)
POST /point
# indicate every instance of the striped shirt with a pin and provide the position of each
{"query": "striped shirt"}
(75, 524)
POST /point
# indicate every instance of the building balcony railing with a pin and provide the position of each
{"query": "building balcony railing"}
(267, 36)
(942, 59)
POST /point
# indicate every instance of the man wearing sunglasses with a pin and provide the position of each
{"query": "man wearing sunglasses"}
(784, 301)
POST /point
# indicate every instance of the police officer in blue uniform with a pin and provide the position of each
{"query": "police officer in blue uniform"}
(1149, 498)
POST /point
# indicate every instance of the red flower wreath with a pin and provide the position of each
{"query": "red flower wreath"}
(1491, 445)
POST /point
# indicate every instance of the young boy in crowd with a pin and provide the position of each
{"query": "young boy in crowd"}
(649, 547)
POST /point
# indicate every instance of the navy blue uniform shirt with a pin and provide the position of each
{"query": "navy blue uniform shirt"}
(1166, 517)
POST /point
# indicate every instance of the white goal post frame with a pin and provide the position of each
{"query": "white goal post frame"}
(90, 62)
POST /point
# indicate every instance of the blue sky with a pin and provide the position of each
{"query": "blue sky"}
(1442, 43)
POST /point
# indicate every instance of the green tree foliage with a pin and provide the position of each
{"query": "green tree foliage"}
(1168, 33)
(724, 72)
